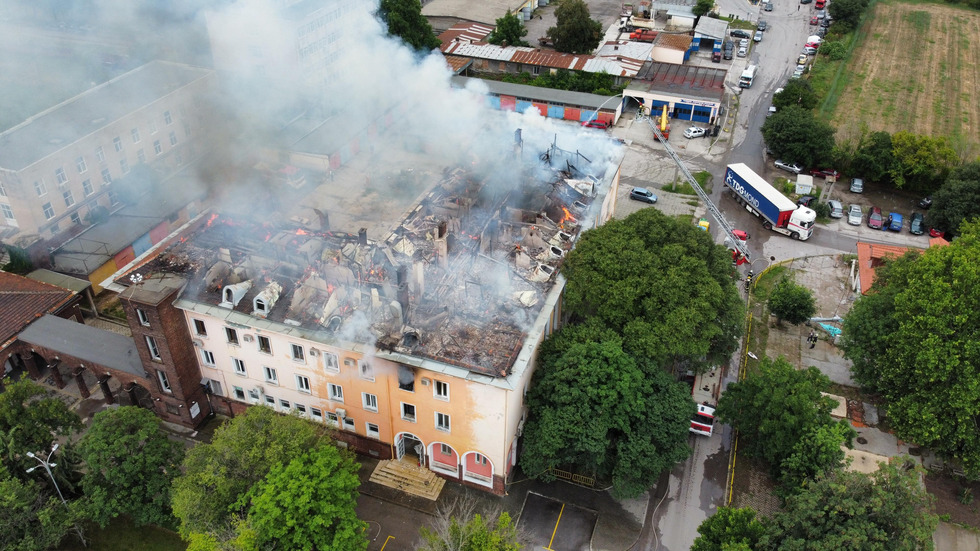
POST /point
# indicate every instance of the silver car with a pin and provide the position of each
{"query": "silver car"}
(854, 215)
(836, 208)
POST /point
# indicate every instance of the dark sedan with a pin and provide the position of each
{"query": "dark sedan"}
(916, 224)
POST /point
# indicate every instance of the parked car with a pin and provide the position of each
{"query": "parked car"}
(836, 209)
(805, 1)
(821, 14)
(895, 222)
(767, 6)
(825, 173)
(758, 36)
(595, 123)
(791, 167)
(762, 25)
(857, 185)
(822, 31)
(716, 56)
(643, 194)
(798, 73)
(854, 215)
(925, 203)
(728, 45)
(744, 43)
(875, 220)
(814, 20)
(727, 54)
(742, 51)
(801, 60)
(694, 132)
(825, 22)
(916, 223)
(809, 50)
(805, 200)
(936, 232)
(739, 33)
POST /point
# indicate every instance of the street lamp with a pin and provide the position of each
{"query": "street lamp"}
(46, 463)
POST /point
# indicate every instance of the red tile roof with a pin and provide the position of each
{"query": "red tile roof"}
(873, 255)
(24, 300)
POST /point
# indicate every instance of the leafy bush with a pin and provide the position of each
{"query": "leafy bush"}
(836, 51)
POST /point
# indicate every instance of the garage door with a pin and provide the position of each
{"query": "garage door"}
(701, 114)
(683, 111)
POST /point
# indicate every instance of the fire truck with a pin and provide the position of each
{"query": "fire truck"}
(705, 392)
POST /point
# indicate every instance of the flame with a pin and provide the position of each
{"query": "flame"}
(214, 215)
(301, 231)
(330, 288)
(567, 216)
(268, 236)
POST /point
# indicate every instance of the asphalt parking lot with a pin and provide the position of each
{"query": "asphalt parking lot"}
(553, 525)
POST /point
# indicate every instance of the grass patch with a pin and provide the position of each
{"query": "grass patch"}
(693, 202)
(122, 535)
(686, 218)
(681, 187)
(703, 178)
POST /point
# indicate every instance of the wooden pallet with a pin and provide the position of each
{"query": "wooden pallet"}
(409, 478)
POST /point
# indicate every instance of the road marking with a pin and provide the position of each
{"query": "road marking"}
(386, 542)
(555, 531)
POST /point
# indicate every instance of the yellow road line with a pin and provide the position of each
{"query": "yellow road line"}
(389, 538)
(555, 531)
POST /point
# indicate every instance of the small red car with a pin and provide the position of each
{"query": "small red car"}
(595, 123)
(825, 173)
(814, 20)
(933, 232)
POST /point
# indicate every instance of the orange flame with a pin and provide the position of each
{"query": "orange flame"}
(301, 231)
(211, 220)
(567, 216)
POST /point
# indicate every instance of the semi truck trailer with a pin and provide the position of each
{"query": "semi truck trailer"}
(776, 211)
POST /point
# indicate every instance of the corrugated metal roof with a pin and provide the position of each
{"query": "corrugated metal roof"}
(682, 80)
(541, 58)
(680, 42)
(465, 32)
(457, 63)
(549, 95)
(626, 49)
(713, 28)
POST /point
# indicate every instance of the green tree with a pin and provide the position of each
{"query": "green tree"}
(875, 157)
(729, 529)
(847, 13)
(510, 29)
(131, 464)
(912, 341)
(309, 503)
(774, 408)
(958, 200)
(816, 453)
(661, 284)
(575, 31)
(702, 7)
(795, 135)
(489, 532)
(591, 405)
(33, 518)
(922, 163)
(835, 50)
(792, 302)
(30, 420)
(797, 92)
(404, 19)
(887, 511)
(221, 474)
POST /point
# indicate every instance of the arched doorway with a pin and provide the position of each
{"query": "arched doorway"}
(443, 459)
(139, 396)
(409, 446)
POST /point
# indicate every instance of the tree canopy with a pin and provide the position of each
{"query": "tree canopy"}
(776, 408)
(33, 518)
(131, 464)
(729, 529)
(510, 29)
(958, 200)
(922, 163)
(912, 341)
(847, 13)
(494, 532)
(875, 157)
(702, 7)
(404, 19)
(886, 511)
(797, 92)
(660, 283)
(573, 383)
(792, 302)
(795, 135)
(575, 31)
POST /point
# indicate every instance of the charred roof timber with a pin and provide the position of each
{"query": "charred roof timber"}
(460, 280)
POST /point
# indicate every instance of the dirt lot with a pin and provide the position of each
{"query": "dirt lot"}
(917, 69)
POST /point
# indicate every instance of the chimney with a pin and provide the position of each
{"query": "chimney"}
(362, 236)
(442, 246)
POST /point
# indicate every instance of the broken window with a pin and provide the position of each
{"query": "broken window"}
(406, 378)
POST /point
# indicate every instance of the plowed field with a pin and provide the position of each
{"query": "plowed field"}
(917, 68)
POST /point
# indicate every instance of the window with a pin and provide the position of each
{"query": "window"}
(48, 211)
(153, 127)
(239, 393)
(87, 188)
(164, 381)
(365, 370)
(173, 138)
(301, 409)
(8, 212)
(207, 357)
(271, 376)
(406, 378)
(141, 315)
(140, 155)
(239, 367)
(408, 412)
(80, 164)
(215, 387)
(173, 409)
(69, 199)
(298, 353)
(303, 384)
(445, 450)
(370, 401)
(284, 405)
(479, 459)
(200, 329)
(442, 421)
(124, 166)
(167, 118)
(106, 176)
(336, 392)
(39, 188)
(372, 430)
(348, 424)
(232, 336)
(265, 345)
(117, 143)
(441, 390)
(187, 129)
(253, 395)
(316, 414)
(60, 175)
(270, 401)
(157, 148)
(113, 198)
(332, 419)
(100, 154)
(136, 135)
(3, 191)
(75, 218)
(330, 362)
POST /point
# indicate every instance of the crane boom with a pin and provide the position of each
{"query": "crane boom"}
(712, 208)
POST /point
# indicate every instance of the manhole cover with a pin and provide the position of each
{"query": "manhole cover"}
(862, 440)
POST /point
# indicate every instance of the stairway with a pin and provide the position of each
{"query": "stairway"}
(407, 476)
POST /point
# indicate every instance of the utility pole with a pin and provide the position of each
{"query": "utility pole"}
(46, 463)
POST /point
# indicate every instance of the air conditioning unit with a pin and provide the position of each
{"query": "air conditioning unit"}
(349, 362)
(426, 381)
(341, 413)
(248, 338)
(314, 352)
(197, 342)
(260, 390)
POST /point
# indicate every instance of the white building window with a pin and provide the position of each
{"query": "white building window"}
(330, 362)
(316, 414)
(333, 419)
(3, 190)
(298, 354)
(207, 357)
(336, 392)
(39, 188)
(271, 376)
(445, 449)
(301, 409)
(8, 212)
(365, 370)
(231, 335)
(265, 345)
(442, 421)
(124, 166)
(173, 138)
(80, 164)
(215, 387)
(479, 459)
(141, 155)
(87, 188)
(75, 218)
(117, 143)
(239, 367)
(408, 412)
(100, 154)
(151, 345)
(370, 401)
(141, 315)
(200, 329)
(153, 127)
(303, 384)
(135, 133)
(48, 211)
(270, 401)
(372, 430)
(157, 148)
(69, 199)
(167, 118)
(164, 381)
(284, 405)
(349, 424)
(254, 395)
(239, 393)
(106, 176)
(441, 390)
(60, 175)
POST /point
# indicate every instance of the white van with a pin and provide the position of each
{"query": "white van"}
(748, 75)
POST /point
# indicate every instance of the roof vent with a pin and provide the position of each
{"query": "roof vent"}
(232, 294)
(263, 302)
